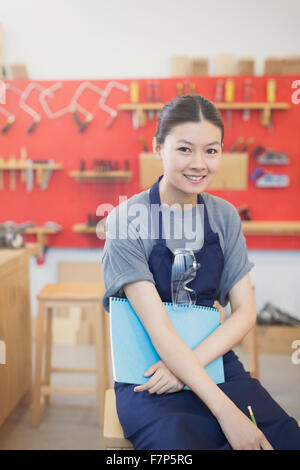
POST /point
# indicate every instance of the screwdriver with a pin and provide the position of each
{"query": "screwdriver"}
(134, 98)
(247, 91)
(271, 98)
(229, 97)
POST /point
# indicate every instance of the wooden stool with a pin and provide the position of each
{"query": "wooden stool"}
(113, 436)
(68, 295)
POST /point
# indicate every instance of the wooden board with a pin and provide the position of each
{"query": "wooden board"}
(200, 66)
(180, 66)
(232, 175)
(224, 65)
(245, 66)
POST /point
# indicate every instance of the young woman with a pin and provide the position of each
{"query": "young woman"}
(160, 414)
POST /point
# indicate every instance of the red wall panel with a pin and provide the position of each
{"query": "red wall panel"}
(67, 202)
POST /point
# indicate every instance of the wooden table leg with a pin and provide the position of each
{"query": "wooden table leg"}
(36, 406)
(101, 360)
(48, 352)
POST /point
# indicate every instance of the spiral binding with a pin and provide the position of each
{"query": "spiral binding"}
(202, 307)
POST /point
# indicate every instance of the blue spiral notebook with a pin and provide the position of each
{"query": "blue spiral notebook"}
(132, 351)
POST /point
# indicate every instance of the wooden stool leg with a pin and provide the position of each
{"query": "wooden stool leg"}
(101, 360)
(253, 353)
(38, 366)
(48, 352)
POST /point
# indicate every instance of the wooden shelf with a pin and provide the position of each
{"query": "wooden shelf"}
(85, 229)
(25, 166)
(101, 176)
(220, 105)
(265, 109)
(41, 234)
(261, 227)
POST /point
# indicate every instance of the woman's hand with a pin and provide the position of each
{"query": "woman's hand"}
(241, 433)
(162, 380)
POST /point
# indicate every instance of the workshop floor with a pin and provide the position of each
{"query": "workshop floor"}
(70, 422)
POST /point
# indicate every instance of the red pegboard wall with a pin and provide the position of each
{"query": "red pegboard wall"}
(68, 202)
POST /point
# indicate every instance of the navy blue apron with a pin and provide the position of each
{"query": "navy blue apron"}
(181, 421)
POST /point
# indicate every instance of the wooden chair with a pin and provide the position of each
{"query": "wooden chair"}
(85, 295)
(113, 436)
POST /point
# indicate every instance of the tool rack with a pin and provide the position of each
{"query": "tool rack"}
(265, 109)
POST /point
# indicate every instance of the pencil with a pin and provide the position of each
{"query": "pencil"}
(252, 415)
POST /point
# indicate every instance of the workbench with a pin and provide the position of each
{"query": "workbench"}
(15, 327)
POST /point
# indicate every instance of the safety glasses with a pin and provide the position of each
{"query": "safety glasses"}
(183, 271)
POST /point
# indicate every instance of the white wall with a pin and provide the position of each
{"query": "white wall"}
(275, 275)
(69, 39)
(76, 39)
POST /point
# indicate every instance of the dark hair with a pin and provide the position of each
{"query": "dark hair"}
(187, 108)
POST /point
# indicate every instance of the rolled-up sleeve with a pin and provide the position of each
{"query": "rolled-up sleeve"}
(124, 261)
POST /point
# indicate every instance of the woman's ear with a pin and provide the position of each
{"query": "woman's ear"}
(156, 148)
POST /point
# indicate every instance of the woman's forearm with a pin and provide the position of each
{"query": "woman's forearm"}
(177, 356)
(182, 361)
(226, 336)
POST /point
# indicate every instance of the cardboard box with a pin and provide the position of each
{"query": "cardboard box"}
(274, 339)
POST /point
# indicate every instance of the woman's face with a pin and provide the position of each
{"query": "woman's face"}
(191, 149)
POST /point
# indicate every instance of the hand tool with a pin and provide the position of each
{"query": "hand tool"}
(244, 212)
(237, 143)
(271, 98)
(82, 165)
(186, 88)
(270, 180)
(150, 98)
(49, 93)
(22, 103)
(10, 120)
(23, 155)
(47, 175)
(39, 171)
(88, 119)
(247, 92)
(105, 93)
(219, 90)
(229, 98)
(29, 176)
(144, 143)
(36, 120)
(192, 88)
(1, 174)
(270, 157)
(157, 97)
(73, 111)
(12, 173)
(74, 106)
(248, 144)
(134, 98)
(179, 87)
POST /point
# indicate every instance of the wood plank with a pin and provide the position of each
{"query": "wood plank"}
(261, 227)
